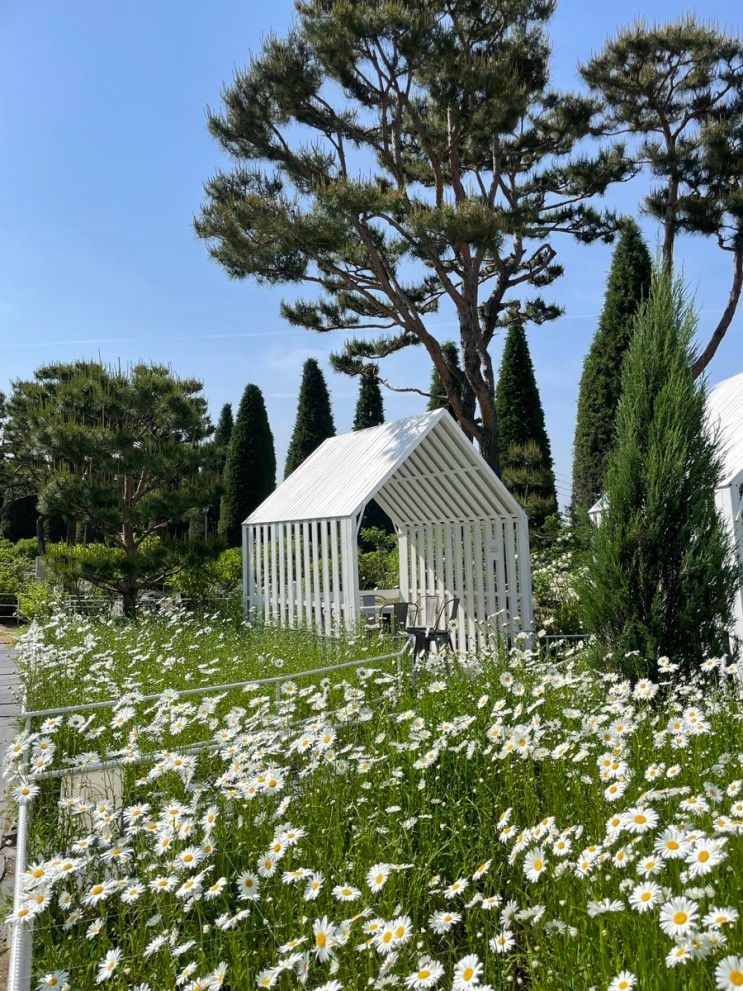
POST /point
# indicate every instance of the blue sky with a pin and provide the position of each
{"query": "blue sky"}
(104, 152)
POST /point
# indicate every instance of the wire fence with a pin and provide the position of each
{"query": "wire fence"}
(21, 932)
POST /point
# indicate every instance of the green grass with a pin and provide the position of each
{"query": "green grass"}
(418, 773)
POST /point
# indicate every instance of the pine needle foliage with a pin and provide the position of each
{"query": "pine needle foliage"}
(600, 384)
(314, 422)
(526, 458)
(437, 391)
(661, 582)
(371, 148)
(250, 466)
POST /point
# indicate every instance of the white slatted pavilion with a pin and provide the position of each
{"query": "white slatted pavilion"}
(460, 532)
(725, 418)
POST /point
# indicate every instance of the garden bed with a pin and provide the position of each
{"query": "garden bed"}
(514, 825)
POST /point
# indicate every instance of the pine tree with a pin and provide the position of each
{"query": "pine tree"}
(600, 384)
(436, 390)
(314, 422)
(660, 582)
(450, 97)
(250, 468)
(369, 407)
(525, 455)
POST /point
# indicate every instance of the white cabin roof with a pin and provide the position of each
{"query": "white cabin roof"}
(420, 469)
(725, 417)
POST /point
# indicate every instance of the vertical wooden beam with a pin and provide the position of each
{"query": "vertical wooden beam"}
(524, 563)
(297, 538)
(267, 576)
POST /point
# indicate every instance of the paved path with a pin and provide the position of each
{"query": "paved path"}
(9, 708)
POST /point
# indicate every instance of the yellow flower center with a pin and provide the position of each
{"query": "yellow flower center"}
(736, 978)
(645, 896)
(96, 889)
(467, 973)
(673, 845)
(703, 856)
(387, 938)
(423, 974)
(321, 939)
(640, 819)
(379, 878)
(537, 865)
(680, 918)
(400, 932)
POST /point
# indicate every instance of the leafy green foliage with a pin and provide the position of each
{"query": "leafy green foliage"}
(526, 458)
(660, 582)
(314, 422)
(379, 563)
(600, 384)
(250, 466)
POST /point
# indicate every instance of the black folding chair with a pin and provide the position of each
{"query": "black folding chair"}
(429, 622)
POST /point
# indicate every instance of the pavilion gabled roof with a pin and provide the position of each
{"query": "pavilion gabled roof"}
(431, 471)
(725, 416)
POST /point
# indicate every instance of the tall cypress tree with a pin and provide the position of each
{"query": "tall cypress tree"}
(628, 284)
(660, 581)
(525, 455)
(369, 406)
(436, 390)
(222, 435)
(250, 467)
(314, 422)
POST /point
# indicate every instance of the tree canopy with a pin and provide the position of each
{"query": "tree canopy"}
(398, 155)
(120, 450)
(676, 90)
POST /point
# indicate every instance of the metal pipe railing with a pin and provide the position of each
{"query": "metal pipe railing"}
(21, 945)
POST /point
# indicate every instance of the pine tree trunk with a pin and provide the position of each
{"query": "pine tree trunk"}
(129, 596)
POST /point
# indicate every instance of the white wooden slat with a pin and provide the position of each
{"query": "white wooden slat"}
(307, 575)
(489, 563)
(267, 573)
(298, 598)
(512, 580)
(257, 530)
(524, 569)
(248, 582)
(275, 578)
(403, 551)
(350, 573)
(438, 536)
(500, 575)
(290, 584)
(413, 567)
(469, 580)
(430, 560)
(317, 593)
(335, 575)
(457, 550)
(327, 602)
(479, 576)
(282, 575)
